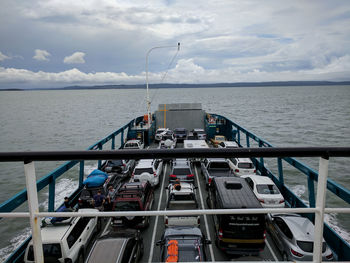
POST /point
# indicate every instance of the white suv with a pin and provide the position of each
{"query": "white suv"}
(66, 241)
(159, 134)
(148, 170)
(134, 144)
(242, 166)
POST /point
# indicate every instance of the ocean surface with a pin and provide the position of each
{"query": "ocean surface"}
(74, 120)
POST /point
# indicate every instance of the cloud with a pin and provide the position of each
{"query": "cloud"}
(185, 71)
(3, 56)
(41, 55)
(75, 58)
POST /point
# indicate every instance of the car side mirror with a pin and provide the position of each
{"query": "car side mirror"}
(207, 241)
(166, 188)
(196, 187)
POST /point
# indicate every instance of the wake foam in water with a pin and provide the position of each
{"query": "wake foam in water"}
(64, 187)
(14, 243)
(331, 219)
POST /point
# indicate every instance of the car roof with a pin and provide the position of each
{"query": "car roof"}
(185, 188)
(240, 197)
(230, 143)
(301, 227)
(144, 163)
(244, 160)
(259, 179)
(217, 159)
(182, 231)
(107, 248)
(54, 233)
(133, 140)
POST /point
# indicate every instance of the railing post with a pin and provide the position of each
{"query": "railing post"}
(122, 138)
(238, 137)
(81, 173)
(99, 161)
(261, 158)
(280, 170)
(113, 143)
(248, 142)
(311, 187)
(33, 206)
(52, 189)
(320, 204)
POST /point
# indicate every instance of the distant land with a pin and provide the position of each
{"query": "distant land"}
(213, 85)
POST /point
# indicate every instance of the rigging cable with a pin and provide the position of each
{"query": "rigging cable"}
(165, 74)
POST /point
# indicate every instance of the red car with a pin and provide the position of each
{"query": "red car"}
(135, 196)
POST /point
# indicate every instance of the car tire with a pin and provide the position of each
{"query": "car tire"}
(141, 249)
(80, 257)
(284, 256)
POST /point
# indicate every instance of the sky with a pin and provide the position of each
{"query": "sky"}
(58, 43)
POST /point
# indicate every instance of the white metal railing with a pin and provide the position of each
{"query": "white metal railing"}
(34, 214)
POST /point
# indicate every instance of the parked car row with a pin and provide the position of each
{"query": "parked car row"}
(180, 134)
(232, 183)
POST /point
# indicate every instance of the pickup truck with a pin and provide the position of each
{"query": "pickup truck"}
(215, 167)
(181, 196)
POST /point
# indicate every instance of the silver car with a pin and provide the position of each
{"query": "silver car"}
(294, 237)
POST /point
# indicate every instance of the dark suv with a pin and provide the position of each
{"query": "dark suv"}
(181, 170)
(117, 247)
(135, 196)
(242, 234)
(180, 134)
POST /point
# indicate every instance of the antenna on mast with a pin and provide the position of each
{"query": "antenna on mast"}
(147, 90)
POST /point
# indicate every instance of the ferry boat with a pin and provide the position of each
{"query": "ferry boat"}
(191, 116)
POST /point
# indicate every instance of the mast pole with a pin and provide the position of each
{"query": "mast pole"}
(147, 90)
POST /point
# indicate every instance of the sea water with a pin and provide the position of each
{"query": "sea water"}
(75, 119)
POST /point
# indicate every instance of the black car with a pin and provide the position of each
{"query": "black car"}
(180, 134)
(117, 247)
(183, 244)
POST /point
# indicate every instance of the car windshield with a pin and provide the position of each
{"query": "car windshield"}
(127, 206)
(51, 252)
(308, 246)
(112, 163)
(219, 165)
(160, 131)
(180, 132)
(181, 171)
(131, 145)
(246, 165)
(267, 189)
(221, 139)
(140, 171)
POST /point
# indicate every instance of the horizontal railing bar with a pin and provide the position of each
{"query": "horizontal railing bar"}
(182, 212)
(176, 212)
(324, 152)
(337, 210)
(15, 214)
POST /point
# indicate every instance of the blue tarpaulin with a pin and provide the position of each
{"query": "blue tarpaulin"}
(95, 179)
